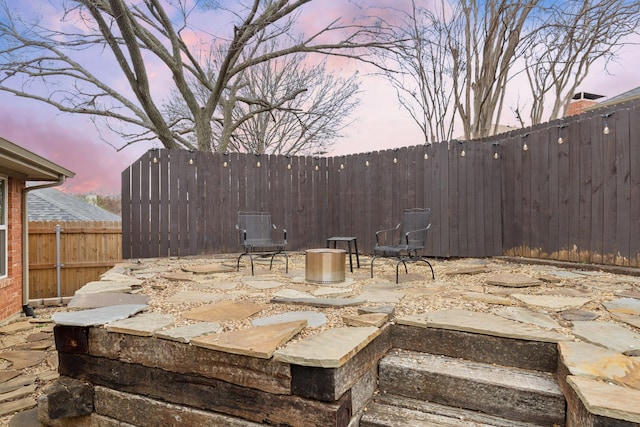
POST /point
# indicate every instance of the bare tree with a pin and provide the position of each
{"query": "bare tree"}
(422, 72)
(51, 66)
(285, 106)
(574, 36)
(469, 51)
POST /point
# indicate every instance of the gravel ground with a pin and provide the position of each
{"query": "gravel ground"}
(459, 283)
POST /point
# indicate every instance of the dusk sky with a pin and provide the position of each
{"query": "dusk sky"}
(73, 141)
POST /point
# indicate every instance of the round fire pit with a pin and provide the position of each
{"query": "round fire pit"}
(324, 265)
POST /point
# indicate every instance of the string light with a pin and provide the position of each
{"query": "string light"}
(366, 163)
(190, 161)
(395, 160)
(225, 164)
(606, 130)
(560, 140)
(495, 151)
(289, 166)
(463, 153)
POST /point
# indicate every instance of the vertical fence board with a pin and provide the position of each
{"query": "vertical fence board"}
(165, 202)
(628, 116)
(155, 192)
(623, 175)
(585, 191)
(596, 205)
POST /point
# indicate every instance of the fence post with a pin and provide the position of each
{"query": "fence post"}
(58, 264)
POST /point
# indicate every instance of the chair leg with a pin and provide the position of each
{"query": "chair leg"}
(373, 259)
(239, 258)
(406, 271)
(286, 268)
(433, 275)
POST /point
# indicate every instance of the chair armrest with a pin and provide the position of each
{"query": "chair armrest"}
(406, 236)
(384, 232)
(284, 233)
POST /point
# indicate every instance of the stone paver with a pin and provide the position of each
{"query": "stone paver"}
(17, 405)
(21, 359)
(18, 393)
(18, 382)
(331, 292)
(215, 284)
(15, 327)
(223, 311)
(484, 323)
(566, 274)
(606, 399)
(259, 283)
(624, 306)
(629, 319)
(292, 294)
(524, 315)
(320, 302)
(6, 375)
(487, 298)
(143, 325)
(511, 280)
(104, 286)
(105, 299)
(187, 333)
(178, 276)
(467, 270)
(208, 268)
(381, 295)
(97, 316)
(574, 314)
(369, 319)
(551, 302)
(607, 334)
(259, 341)
(329, 349)
(194, 296)
(589, 360)
(314, 319)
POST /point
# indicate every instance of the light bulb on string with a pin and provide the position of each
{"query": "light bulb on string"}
(525, 147)
(605, 130)
(495, 155)
(463, 153)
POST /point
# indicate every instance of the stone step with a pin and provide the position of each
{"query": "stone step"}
(482, 337)
(514, 393)
(389, 410)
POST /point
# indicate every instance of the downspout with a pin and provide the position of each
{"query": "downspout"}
(28, 311)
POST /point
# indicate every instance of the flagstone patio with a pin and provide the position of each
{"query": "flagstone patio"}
(282, 318)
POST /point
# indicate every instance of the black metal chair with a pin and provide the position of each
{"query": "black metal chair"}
(255, 234)
(413, 237)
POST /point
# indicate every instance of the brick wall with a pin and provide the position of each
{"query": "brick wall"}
(11, 286)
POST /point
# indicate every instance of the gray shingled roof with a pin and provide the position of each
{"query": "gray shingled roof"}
(623, 97)
(49, 204)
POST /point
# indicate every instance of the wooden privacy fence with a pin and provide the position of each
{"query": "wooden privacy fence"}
(87, 250)
(573, 201)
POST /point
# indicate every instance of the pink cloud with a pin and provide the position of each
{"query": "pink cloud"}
(71, 143)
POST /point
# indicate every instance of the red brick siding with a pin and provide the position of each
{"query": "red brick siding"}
(11, 286)
(578, 106)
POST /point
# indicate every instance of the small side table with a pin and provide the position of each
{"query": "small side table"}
(349, 240)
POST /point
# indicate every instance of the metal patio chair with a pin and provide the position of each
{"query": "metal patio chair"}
(412, 238)
(255, 234)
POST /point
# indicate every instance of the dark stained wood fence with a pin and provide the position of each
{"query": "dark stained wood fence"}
(574, 201)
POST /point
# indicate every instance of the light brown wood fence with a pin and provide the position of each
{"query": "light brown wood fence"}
(87, 250)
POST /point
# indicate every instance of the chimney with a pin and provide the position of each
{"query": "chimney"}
(580, 102)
